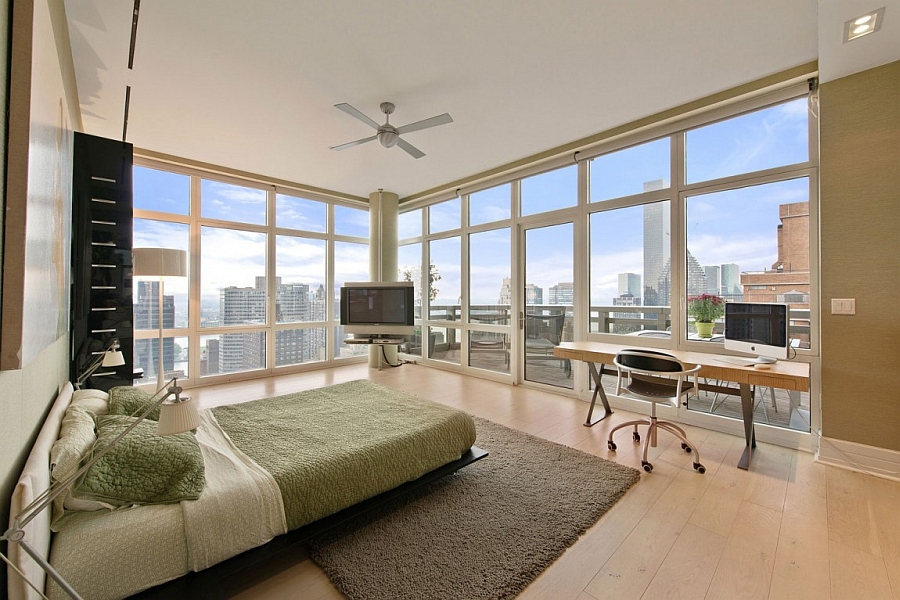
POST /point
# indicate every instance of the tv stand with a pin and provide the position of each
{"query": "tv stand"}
(375, 341)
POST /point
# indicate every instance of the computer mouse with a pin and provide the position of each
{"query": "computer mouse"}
(762, 366)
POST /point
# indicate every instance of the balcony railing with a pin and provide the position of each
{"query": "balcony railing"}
(603, 319)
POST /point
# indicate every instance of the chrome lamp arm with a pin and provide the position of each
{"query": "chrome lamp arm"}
(111, 357)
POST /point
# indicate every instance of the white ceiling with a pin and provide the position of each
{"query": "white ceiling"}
(251, 85)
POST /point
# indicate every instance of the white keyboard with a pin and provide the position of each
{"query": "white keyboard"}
(734, 360)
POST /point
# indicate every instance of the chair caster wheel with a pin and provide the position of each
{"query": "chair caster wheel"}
(611, 445)
(636, 436)
(647, 466)
(699, 468)
(686, 448)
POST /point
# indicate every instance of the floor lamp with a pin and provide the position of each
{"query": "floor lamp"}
(160, 262)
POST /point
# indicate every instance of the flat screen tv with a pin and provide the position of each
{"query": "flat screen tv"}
(376, 309)
(757, 328)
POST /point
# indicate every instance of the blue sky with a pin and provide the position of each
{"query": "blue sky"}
(736, 226)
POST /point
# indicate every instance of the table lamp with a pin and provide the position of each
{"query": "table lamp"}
(176, 416)
(160, 262)
(111, 357)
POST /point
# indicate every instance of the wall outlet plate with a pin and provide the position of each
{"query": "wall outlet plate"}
(843, 306)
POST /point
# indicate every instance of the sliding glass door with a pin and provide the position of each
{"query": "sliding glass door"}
(546, 306)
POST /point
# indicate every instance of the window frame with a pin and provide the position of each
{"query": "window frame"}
(195, 222)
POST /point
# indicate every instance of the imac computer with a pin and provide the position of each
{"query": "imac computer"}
(378, 309)
(757, 328)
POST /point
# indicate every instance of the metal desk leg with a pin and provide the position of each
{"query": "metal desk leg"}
(749, 432)
(598, 390)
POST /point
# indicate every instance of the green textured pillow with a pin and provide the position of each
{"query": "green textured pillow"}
(143, 468)
(130, 401)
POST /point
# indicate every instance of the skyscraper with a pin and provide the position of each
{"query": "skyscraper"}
(294, 303)
(562, 293)
(533, 294)
(696, 278)
(713, 279)
(731, 282)
(656, 251)
(630, 284)
(146, 317)
(505, 292)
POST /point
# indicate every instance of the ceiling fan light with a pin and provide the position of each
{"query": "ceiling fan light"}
(388, 139)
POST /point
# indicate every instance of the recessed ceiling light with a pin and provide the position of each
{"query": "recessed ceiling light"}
(863, 25)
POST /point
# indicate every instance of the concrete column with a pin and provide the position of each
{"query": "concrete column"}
(383, 211)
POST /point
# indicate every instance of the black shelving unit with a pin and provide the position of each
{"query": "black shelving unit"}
(102, 216)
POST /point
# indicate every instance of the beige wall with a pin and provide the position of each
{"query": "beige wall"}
(26, 393)
(860, 258)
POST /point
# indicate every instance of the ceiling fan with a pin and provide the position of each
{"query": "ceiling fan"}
(388, 135)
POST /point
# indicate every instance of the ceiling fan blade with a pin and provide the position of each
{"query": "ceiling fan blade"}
(355, 143)
(410, 149)
(426, 123)
(355, 113)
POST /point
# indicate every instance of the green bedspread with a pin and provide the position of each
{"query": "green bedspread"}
(333, 447)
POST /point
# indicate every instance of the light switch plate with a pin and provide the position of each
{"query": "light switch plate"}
(843, 306)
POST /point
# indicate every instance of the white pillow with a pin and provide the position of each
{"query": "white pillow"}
(95, 401)
(76, 437)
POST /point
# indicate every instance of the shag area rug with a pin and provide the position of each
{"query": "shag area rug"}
(486, 531)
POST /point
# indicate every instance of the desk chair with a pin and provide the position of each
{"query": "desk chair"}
(657, 378)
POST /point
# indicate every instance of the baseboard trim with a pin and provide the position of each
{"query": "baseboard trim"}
(879, 462)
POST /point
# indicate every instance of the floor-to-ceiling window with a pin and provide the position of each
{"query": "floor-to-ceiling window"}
(720, 204)
(265, 266)
(489, 307)
(714, 213)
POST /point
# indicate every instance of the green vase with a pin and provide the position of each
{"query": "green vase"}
(704, 330)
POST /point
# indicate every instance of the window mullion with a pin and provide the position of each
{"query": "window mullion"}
(678, 250)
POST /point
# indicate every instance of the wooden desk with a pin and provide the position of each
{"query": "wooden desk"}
(783, 374)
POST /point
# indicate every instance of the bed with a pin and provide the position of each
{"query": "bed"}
(271, 469)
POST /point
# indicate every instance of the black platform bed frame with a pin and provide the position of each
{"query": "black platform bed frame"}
(245, 570)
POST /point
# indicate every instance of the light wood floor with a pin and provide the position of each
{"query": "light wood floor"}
(788, 528)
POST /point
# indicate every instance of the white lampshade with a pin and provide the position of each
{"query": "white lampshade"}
(113, 358)
(178, 417)
(160, 262)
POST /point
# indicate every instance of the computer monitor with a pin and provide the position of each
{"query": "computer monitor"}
(378, 308)
(758, 328)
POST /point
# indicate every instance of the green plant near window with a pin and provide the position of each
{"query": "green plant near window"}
(414, 274)
(706, 308)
